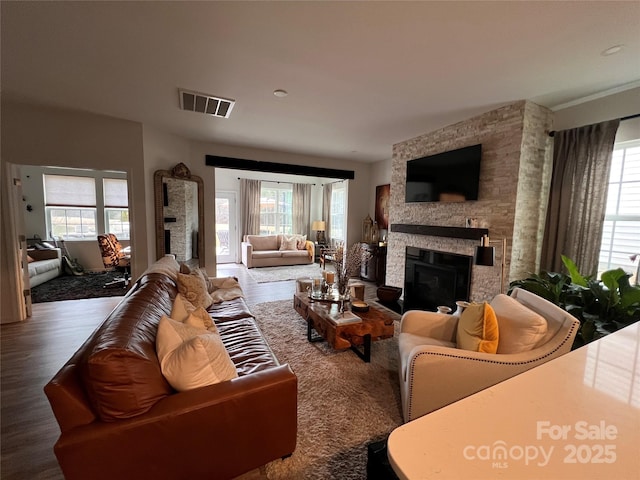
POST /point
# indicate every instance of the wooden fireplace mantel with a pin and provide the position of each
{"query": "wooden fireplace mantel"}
(440, 231)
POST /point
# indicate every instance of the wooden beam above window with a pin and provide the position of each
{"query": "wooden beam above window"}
(272, 167)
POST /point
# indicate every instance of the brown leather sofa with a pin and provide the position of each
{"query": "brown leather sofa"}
(120, 419)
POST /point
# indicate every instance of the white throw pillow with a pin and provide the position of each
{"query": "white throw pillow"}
(171, 334)
(181, 308)
(521, 329)
(191, 357)
(200, 318)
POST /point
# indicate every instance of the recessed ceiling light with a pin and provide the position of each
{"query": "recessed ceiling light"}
(280, 93)
(612, 50)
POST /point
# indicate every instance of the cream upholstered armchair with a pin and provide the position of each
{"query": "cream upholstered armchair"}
(434, 372)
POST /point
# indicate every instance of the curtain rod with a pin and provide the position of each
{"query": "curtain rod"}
(275, 181)
(331, 183)
(628, 117)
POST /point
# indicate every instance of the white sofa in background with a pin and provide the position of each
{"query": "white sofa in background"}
(276, 250)
(46, 264)
(434, 372)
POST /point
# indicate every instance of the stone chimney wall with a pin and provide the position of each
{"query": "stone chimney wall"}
(514, 180)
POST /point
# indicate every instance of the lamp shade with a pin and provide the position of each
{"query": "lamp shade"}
(485, 256)
(318, 225)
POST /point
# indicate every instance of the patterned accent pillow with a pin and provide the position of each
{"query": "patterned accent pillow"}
(184, 268)
(289, 243)
(302, 242)
(194, 289)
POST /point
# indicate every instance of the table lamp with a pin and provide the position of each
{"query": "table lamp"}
(319, 227)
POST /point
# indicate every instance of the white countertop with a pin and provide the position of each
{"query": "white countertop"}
(575, 417)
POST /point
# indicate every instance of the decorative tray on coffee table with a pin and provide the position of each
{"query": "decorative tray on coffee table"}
(329, 297)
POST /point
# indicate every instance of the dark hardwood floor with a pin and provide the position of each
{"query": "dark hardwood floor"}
(34, 350)
(257, 292)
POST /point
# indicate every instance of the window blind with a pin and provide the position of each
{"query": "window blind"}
(115, 193)
(621, 232)
(68, 191)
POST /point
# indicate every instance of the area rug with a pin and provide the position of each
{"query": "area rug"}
(71, 287)
(343, 403)
(280, 274)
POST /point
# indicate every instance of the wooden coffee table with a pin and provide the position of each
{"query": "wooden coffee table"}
(375, 325)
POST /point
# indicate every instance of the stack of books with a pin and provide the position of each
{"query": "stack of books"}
(345, 318)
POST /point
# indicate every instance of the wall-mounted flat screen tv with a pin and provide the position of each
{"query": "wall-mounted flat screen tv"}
(445, 177)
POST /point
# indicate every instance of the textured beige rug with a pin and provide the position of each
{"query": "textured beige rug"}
(343, 403)
(288, 272)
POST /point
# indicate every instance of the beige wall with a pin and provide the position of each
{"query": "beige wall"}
(380, 175)
(12, 306)
(36, 135)
(227, 180)
(162, 151)
(616, 105)
(358, 202)
(46, 136)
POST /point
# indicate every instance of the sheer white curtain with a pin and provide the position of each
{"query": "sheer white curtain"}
(577, 201)
(301, 208)
(326, 210)
(250, 206)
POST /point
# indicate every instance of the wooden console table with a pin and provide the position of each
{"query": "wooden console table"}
(374, 268)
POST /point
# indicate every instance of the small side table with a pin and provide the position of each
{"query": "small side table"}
(318, 251)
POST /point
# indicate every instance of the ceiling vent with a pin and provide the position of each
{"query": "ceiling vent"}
(208, 104)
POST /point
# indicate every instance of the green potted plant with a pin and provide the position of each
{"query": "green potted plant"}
(602, 306)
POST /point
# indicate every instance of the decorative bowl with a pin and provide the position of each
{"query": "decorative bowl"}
(359, 306)
(388, 294)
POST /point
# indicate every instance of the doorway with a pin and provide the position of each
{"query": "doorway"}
(226, 232)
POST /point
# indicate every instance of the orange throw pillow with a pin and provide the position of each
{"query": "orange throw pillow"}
(478, 329)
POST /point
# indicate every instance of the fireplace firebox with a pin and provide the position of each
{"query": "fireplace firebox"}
(435, 278)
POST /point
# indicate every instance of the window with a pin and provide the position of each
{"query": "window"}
(76, 206)
(276, 209)
(338, 207)
(70, 206)
(621, 234)
(116, 203)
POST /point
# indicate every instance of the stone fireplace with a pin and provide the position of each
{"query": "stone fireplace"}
(514, 181)
(435, 278)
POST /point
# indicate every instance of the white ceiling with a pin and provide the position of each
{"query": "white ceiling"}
(361, 76)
